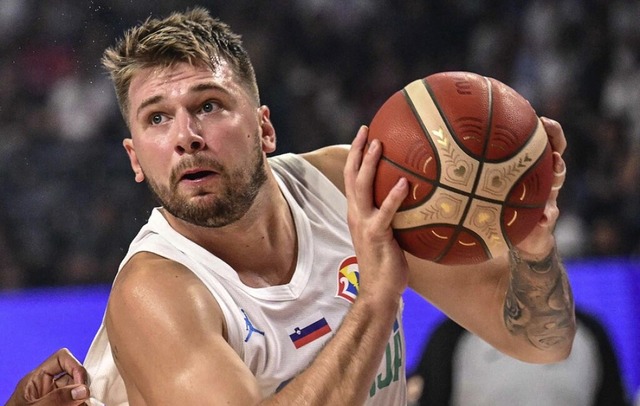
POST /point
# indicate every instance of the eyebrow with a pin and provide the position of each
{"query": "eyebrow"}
(200, 87)
(148, 102)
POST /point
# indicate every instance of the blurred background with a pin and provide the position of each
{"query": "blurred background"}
(68, 203)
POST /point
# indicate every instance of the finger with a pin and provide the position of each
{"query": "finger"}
(65, 396)
(77, 376)
(555, 133)
(392, 202)
(61, 362)
(559, 176)
(80, 375)
(63, 380)
(367, 172)
(354, 160)
(38, 383)
(550, 217)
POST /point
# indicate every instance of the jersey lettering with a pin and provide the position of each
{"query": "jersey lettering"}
(392, 360)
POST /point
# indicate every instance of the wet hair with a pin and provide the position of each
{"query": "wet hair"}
(192, 36)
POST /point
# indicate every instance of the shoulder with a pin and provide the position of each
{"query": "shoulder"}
(146, 271)
(153, 290)
(330, 161)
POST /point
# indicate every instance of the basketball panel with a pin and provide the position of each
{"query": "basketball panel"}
(463, 99)
(468, 248)
(533, 188)
(427, 242)
(388, 174)
(513, 122)
(518, 222)
(403, 139)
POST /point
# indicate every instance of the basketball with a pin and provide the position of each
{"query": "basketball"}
(478, 162)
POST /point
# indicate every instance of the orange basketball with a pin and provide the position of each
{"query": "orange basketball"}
(478, 162)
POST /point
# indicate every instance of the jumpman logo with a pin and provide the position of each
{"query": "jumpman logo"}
(249, 327)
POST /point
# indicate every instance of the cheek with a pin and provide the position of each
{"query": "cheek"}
(155, 167)
(154, 160)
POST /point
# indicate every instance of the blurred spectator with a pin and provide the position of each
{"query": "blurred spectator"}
(324, 67)
(458, 368)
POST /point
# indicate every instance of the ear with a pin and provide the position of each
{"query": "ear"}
(268, 131)
(133, 159)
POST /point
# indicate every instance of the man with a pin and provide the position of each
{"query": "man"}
(244, 287)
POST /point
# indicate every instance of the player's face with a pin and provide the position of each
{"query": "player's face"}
(199, 140)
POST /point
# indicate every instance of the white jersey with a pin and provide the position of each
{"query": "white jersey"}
(277, 330)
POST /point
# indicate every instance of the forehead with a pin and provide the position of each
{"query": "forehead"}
(166, 82)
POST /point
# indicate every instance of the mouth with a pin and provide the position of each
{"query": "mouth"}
(197, 175)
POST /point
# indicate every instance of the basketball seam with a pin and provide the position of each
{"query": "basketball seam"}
(472, 194)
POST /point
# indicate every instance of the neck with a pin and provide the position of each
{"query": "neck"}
(261, 247)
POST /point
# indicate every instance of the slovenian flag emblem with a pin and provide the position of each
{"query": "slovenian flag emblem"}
(313, 328)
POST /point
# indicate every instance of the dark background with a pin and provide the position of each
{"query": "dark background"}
(69, 205)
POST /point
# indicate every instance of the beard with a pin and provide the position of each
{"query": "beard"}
(239, 190)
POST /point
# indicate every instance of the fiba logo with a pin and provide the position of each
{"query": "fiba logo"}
(348, 279)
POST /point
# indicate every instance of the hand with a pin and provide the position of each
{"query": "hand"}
(540, 241)
(59, 381)
(370, 227)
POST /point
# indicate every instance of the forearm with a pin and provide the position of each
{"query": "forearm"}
(539, 304)
(344, 370)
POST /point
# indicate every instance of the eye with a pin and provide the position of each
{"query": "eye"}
(156, 119)
(210, 106)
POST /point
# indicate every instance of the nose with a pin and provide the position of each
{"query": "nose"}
(189, 137)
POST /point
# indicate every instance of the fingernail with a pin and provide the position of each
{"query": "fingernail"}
(79, 393)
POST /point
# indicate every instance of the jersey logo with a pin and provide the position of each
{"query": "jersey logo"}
(313, 327)
(249, 327)
(348, 280)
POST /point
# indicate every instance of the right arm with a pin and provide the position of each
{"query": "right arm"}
(337, 376)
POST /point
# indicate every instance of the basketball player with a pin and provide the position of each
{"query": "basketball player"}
(277, 280)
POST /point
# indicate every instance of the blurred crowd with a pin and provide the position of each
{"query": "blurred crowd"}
(69, 205)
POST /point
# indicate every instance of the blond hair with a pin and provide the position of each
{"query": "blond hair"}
(193, 36)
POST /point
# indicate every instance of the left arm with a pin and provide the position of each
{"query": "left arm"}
(520, 303)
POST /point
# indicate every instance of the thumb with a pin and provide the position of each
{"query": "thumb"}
(70, 395)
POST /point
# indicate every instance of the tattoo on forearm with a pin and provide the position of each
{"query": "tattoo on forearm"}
(539, 302)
